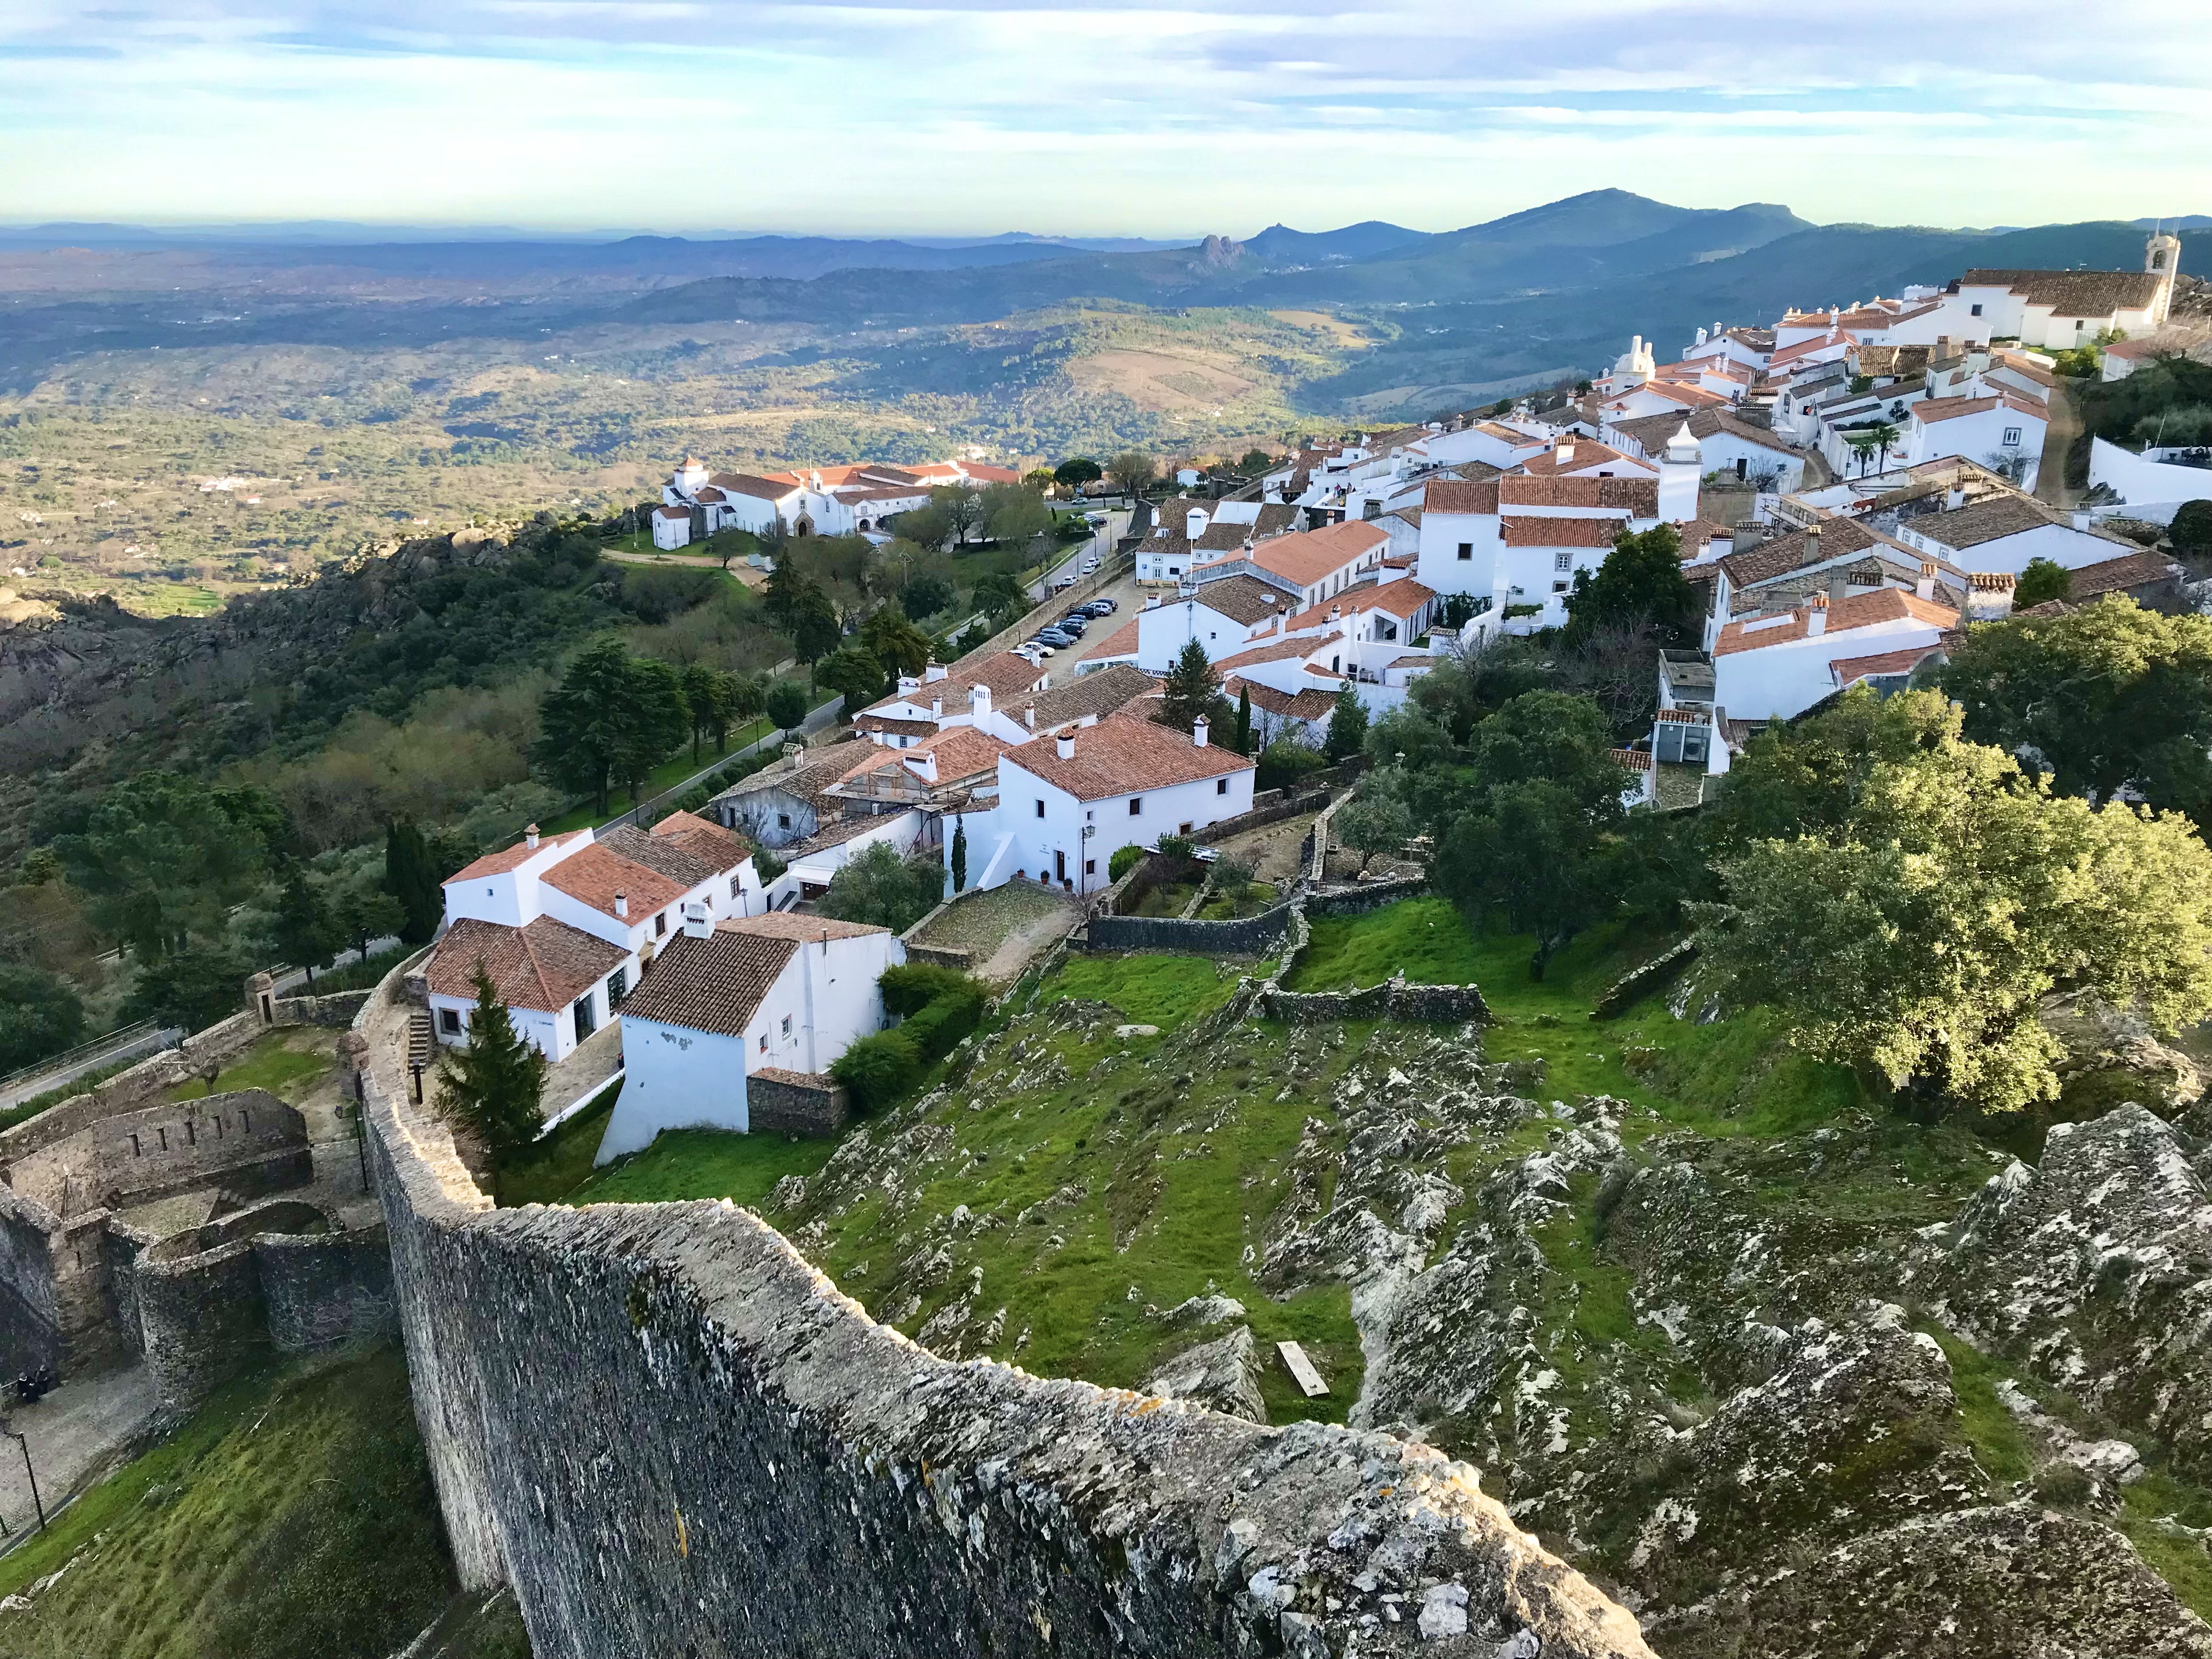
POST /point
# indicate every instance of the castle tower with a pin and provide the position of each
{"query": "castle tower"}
(2162, 260)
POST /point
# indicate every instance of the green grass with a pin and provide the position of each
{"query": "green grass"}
(1167, 899)
(292, 1517)
(282, 1061)
(1162, 991)
(1222, 908)
(2001, 1445)
(685, 1163)
(664, 777)
(546, 1172)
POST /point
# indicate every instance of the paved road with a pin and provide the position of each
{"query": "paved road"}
(131, 1048)
(72, 1433)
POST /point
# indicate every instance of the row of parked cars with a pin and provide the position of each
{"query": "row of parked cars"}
(1068, 630)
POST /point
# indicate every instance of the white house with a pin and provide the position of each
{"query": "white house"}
(1065, 805)
(1774, 667)
(1222, 616)
(1186, 533)
(2002, 532)
(727, 1001)
(1309, 566)
(2003, 430)
(2152, 484)
(1726, 444)
(561, 923)
(1515, 543)
(671, 528)
(2062, 309)
(919, 706)
(824, 501)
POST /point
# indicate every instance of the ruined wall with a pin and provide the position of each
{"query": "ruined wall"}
(319, 1289)
(1246, 936)
(141, 1086)
(248, 1140)
(204, 1321)
(671, 1435)
(794, 1103)
(337, 1010)
(1394, 998)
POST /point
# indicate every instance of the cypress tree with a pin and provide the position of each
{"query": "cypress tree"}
(493, 1083)
(1244, 719)
(410, 877)
(960, 855)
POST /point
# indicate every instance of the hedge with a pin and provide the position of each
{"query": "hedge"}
(878, 1070)
(911, 986)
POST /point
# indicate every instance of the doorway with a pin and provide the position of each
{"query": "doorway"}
(1059, 866)
(583, 1024)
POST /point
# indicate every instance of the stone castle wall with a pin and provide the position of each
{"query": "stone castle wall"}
(247, 1140)
(670, 1434)
(794, 1103)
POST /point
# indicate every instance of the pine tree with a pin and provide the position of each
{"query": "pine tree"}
(1192, 687)
(960, 855)
(410, 878)
(493, 1083)
(1244, 719)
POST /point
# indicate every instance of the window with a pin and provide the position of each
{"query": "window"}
(661, 925)
(1040, 807)
(617, 987)
(1563, 562)
(1090, 867)
(1467, 551)
(1182, 829)
(733, 887)
(1559, 587)
(786, 1026)
(449, 1021)
(2011, 436)
(1977, 311)
(1136, 805)
(763, 1046)
(1221, 786)
(783, 820)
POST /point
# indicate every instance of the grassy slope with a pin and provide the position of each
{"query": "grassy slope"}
(282, 1062)
(291, 1518)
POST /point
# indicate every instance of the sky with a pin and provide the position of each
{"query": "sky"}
(1092, 117)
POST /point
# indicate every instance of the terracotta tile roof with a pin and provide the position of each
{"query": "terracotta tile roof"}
(1400, 598)
(961, 752)
(669, 855)
(865, 721)
(1279, 650)
(1854, 610)
(673, 515)
(595, 875)
(1094, 695)
(1847, 670)
(1125, 755)
(2115, 575)
(543, 967)
(2073, 292)
(747, 483)
(801, 926)
(499, 863)
(1560, 532)
(1588, 453)
(1697, 532)
(1241, 599)
(1638, 497)
(821, 768)
(1309, 556)
(1652, 431)
(1477, 471)
(1121, 642)
(1451, 496)
(711, 984)
(1839, 537)
(1930, 411)
(1304, 705)
(1006, 674)
(1988, 519)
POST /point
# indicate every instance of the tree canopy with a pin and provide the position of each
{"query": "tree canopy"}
(1917, 937)
(612, 718)
(1641, 581)
(2043, 581)
(2106, 697)
(40, 1015)
(492, 1084)
(878, 887)
(162, 858)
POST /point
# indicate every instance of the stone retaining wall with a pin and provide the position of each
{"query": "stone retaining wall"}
(670, 1434)
(321, 1288)
(1246, 936)
(794, 1103)
(337, 1009)
(204, 1321)
(143, 1083)
(1394, 998)
(942, 956)
(1637, 983)
(247, 1140)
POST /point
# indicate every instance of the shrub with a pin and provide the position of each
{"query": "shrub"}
(1177, 848)
(1286, 763)
(2191, 530)
(1124, 861)
(938, 1027)
(878, 1070)
(911, 986)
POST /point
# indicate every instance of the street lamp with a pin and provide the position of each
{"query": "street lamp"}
(7, 1428)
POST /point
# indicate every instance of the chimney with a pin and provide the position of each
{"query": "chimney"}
(1029, 716)
(697, 924)
(1925, 587)
(937, 709)
(2081, 521)
(1565, 451)
(979, 702)
(1195, 523)
(1816, 616)
(1812, 543)
(1199, 731)
(933, 671)
(1955, 497)
(1064, 745)
(621, 905)
(530, 836)
(794, 757)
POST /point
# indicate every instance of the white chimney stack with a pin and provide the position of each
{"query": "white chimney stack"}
(1954, 498)
(1064, 745)
(1566, 452)
(621, 905)
(933, 670)
(1925, 587)
(979, 701)
(697, 924)
(1199, 731)
(1816, 616)
(530, 836)
(937, 709)
(2081, 521)
(1195, 523)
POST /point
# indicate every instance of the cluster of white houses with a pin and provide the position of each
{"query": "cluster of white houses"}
(823, 500)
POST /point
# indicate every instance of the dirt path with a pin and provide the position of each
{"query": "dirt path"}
(1026, 943)
(2058, 437)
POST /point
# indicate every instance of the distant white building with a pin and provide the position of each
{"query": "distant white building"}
(2062, 309)
(726, 1001)
(822, 501)
(671, 528)
(2001, 430)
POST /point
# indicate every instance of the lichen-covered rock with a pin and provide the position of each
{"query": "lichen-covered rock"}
(1223, 1374)
(2096, 1269)
(2113, 1055)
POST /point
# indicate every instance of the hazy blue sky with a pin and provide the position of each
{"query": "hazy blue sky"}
(1095, 117)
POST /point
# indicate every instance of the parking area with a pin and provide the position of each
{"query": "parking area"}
(1128, 598)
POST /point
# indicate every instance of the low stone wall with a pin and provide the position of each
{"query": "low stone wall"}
(337, 1009)
(1369, 896)
(247, 1140)
(794, 1103)
(143, 1083)
(322, 1289)
(1637, 983)
(670, 1434)
(942, 956)
(1246, 936)
(1394, 998)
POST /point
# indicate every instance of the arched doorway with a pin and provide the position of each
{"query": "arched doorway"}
(802, 525)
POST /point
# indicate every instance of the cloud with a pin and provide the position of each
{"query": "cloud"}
(1096, 116)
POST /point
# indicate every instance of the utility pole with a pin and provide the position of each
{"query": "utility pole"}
(7, 1428)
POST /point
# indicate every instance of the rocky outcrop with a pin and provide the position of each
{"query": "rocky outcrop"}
(2095, 1269)
(1223, 1374)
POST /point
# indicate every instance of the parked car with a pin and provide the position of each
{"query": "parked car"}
(1073, 622)
(1033, 650)
(1101, 607)
(1053, 636)
(1090, 565)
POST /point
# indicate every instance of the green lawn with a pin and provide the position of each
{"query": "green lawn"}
(1162, 991)
(286, 1062)
(546, 1172)
(703, 1163)
(665, 776)
(291, 1517)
